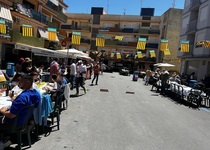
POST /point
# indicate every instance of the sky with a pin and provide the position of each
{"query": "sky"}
(119, 7)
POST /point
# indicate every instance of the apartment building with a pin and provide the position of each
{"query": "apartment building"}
(33, 31)
(129, 28)
(196, 28)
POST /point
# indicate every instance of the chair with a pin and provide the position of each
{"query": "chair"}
(195, 97)
(57, 108)
(24, 128)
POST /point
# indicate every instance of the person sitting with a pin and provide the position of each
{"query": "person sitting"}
(55, 86)
(26, 98)
(26, 66)
(155, 78)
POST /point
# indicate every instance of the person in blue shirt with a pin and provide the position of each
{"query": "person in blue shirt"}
(27, 97)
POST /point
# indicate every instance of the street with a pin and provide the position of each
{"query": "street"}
(136, 120)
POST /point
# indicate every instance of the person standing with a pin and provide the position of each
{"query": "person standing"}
(81, 70)
(164, 81)
(147, 77)
(72, 74)
(103, 67)
(54, 67)
(96, 70)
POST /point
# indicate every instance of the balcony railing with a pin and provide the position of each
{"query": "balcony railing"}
(52, 25)
(192, 26)
(34, 41)
(38, 16)
(62, 16)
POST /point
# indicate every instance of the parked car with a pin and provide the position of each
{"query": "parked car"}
(124, 71)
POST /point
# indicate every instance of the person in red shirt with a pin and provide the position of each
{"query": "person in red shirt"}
(96, 70)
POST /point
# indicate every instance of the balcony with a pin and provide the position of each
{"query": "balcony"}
(51, 5)
(85, 41)
(192, 27)
(195, 5)
(34, 41)
(52, 25)
(152, 45)
(38, 16)
(86, 28)
(62, 16)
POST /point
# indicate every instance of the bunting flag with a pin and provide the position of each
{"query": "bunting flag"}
(205, 43)
(118, 55)
(76, 37)
(3, 29)
(135, 56)
(112, 55)
(52, 34)
(152, 53)
(167, 52)
(185, 46)
(119, 38)
(163, 44)
(100, 41)
(141, 43)
(27, 30)
(139, 54)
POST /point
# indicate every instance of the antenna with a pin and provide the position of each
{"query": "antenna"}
(124, 11)
(174, 3)
(107, 6)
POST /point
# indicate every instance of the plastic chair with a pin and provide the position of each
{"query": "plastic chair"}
(57, 108)
(24, 128)
(66, 95)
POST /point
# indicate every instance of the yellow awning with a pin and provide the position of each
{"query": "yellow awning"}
(167, 52)
(118, 56)
(100, 42)
(185, 46)
(51, 36)
(163, 44)
(120, 38)
(3, 29)
(139, 54)
(76, 39)
(27, 30)
(152, 53)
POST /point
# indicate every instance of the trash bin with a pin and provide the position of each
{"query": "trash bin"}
(192, 83)
(135, 75)
(10, 69)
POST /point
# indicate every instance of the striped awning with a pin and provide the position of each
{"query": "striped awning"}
(163, 44)
(55, 2)
(118, 55)
(3, 29)
(44, 34)
(27, 30)
(112, 55)
(141, 43)
(139, 54)
(120, 38)
(5, 13)
(76, 37)
(185, 46)
(52, 33)
(152, 53)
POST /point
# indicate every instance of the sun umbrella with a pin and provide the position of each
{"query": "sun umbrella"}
(164, 65)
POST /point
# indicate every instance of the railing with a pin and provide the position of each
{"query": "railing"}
(52, 25)
(34, 41)
(192, 26)
(62, 16)
(38, 16)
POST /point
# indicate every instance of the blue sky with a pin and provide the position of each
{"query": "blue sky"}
(130, 7)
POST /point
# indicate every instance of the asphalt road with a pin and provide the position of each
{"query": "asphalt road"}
(116, 120)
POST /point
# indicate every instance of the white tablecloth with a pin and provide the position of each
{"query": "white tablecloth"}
(5, 101)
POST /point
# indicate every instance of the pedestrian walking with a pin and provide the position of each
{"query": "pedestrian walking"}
(81, 70)
(96, 70)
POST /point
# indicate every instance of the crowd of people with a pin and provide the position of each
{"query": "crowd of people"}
(28, 77)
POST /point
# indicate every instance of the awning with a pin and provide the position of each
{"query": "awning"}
(44, 34)
(54, 2)
(27, 30)
(120, 38)
(5, 13)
